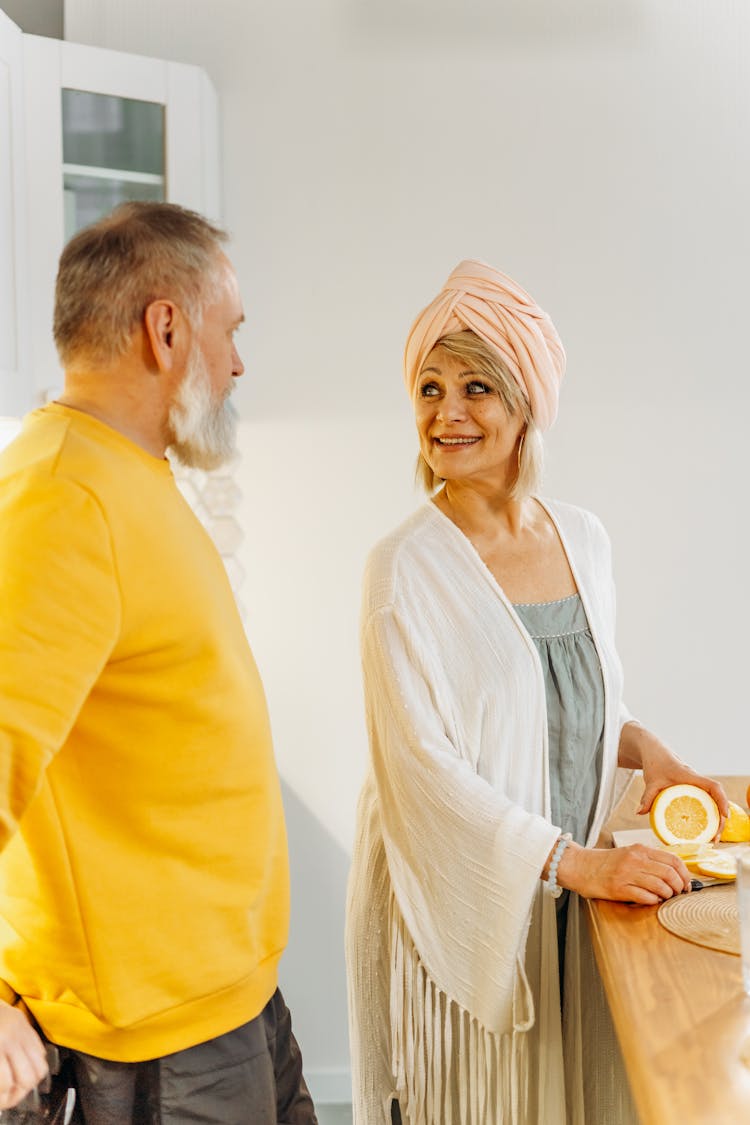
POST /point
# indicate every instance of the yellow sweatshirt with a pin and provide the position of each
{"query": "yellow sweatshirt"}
(144, 893)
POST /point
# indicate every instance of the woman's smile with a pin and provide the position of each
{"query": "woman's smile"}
(456, 441)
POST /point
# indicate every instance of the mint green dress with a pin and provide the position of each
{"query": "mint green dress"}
(574, 692)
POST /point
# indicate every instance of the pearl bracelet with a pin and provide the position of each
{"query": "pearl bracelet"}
(551, 885)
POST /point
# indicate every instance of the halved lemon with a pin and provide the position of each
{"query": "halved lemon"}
(684, 814)
(717, 865)
(737, 826)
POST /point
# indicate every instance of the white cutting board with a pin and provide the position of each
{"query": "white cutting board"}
(624, 836)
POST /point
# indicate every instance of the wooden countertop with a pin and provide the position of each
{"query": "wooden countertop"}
(681, 1015)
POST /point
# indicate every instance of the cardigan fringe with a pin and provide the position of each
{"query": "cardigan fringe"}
(436, 1085)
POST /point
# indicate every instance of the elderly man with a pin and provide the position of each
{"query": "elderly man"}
(144, 874)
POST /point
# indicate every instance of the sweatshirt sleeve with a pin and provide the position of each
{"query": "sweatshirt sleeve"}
(464, 860)
(59, 619)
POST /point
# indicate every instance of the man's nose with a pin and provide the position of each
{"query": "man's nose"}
(238, 367)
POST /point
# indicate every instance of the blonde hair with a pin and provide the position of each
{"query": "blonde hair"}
(486, 362)
(112, 270)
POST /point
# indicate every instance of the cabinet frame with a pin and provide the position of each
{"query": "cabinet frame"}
(14, 266)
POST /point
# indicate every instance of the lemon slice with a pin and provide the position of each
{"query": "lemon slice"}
(687, 852)
(737, 826)
(718, 865)
(690, 854)
(684, 814)
(694, 863)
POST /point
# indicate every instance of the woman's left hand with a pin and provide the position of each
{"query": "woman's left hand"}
(640, 749)
(677, 773)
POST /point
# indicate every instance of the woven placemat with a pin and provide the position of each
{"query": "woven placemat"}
(708, 917)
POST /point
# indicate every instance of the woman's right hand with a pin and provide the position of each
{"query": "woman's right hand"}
(23, 1062)
(639, 874)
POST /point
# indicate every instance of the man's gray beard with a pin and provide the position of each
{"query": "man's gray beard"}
(204, 431)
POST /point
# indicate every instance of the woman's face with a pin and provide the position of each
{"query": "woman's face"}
(465, 431)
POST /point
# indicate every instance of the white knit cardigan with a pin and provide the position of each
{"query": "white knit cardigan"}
(451, 942)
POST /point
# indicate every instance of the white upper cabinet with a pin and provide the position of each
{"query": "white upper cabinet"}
(101, 127)
(15, 398)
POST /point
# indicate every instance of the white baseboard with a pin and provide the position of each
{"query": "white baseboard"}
(330, 1086)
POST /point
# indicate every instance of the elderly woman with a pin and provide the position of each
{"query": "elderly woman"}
(497, 731)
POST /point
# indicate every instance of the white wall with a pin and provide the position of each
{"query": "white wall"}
(596, 150)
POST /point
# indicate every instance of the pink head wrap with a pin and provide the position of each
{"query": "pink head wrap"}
(500, 312)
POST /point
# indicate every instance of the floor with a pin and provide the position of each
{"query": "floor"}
(334, 1114)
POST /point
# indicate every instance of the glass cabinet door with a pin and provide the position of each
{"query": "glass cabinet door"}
(113, 151)
(102, 127)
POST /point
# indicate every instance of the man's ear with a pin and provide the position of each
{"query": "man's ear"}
(167, 332)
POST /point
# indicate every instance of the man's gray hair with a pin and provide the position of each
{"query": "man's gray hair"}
(112, 270)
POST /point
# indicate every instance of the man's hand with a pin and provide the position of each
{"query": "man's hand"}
(23, 1062)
